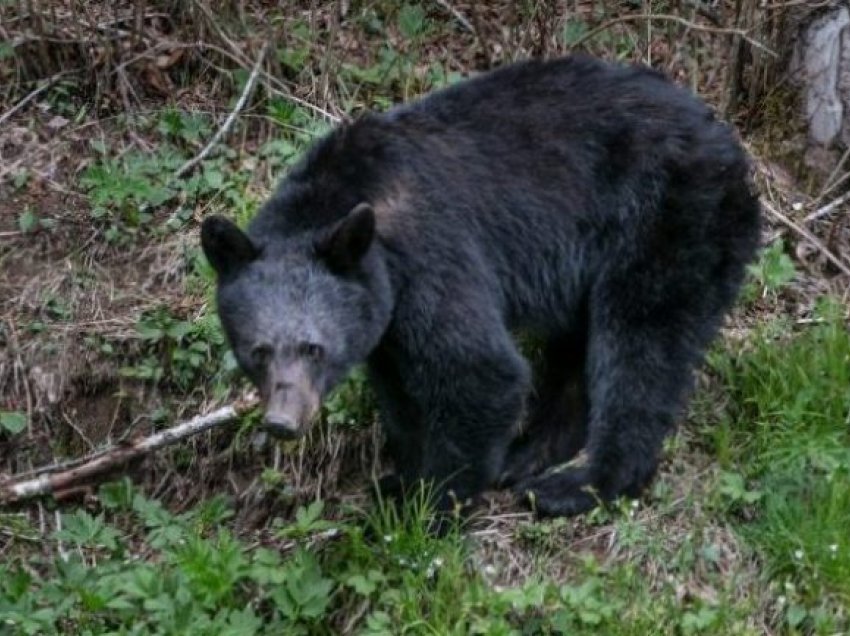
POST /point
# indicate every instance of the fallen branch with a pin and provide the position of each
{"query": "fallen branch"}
(103, 462)
(240, 104)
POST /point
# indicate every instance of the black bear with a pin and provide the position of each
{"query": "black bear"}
(597, 206)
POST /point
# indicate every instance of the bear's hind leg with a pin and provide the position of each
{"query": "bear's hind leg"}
(644, 342)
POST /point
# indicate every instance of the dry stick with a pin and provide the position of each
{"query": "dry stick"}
(50, 81)
(838, 182)
(240, 104)
(673, 18)
(274, 85)
(105, 461)
(828, 208)
(236, 55)
(279, 89)
(829, 183)
(811, 238)
(466, 24)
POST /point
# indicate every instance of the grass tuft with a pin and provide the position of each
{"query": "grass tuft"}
(787, 429)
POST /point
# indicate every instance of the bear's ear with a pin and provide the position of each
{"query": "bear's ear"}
(226, 247)
(346, 241)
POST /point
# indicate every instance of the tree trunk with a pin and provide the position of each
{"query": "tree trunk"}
(812, 45)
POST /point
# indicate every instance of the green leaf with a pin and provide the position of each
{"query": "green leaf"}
(775, 268)
(12, 421)
(27, 221)
(412, 21)
(83, 529)
(20, 178)
(293, 58)
(178, 330)
(574, 31)
(278, 147)
(306, 516)
(795, 615)
(242, 623)
(361, 584)
(119, 603)
(149, 332)
(734, 489)
(117, 494)
(700, 620)
(6, 50)
(98, 145)
(214, 179)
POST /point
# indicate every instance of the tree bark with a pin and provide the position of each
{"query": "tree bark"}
(812, 43)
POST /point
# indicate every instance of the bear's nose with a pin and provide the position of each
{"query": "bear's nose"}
(281, 425)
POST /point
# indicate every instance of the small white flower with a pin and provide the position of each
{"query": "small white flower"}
(798, 554)
(833, 548)
(489, 570)
(388, 538)
(781, 600)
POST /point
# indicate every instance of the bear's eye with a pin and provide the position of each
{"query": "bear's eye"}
(261, 355)
(311, 350)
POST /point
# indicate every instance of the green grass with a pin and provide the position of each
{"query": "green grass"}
(787, 430)
(380, 572)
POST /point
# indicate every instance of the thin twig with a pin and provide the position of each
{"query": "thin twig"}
(63, 554)
(672, 18)
(829, 184)
(828, 208)
(838, 182)
(240, 104)
(811, 238)
(103, 462)
(273, 84)
(235, 54)
(50, 81)
(466, 24)
(705, 10)
(22, 537)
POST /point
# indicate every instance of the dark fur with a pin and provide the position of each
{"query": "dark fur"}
(599, 206)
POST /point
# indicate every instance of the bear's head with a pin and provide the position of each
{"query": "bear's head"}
(299, 311)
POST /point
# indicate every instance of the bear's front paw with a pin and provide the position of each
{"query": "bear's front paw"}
(560, 494)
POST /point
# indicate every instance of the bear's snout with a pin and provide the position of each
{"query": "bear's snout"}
(281, 425)
(291, 403)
